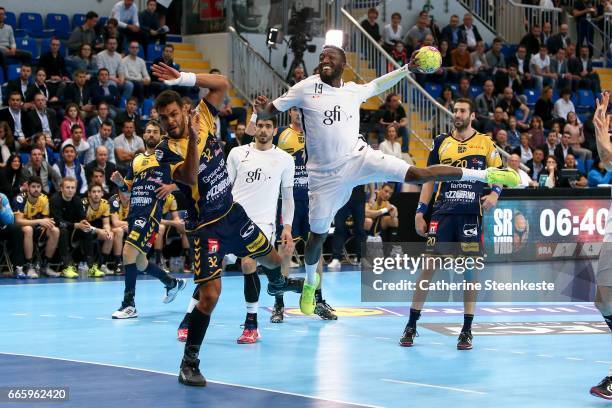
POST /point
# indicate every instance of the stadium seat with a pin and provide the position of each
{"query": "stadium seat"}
(27, 44)
(585, 99)
(154, 51)
(2, 81)
(25, 158)
(32, 23)
(454, 87)
(60, 24)
(532, 97)
(102, 21)
(122, 102)
(509, 50)
(45, 44)
(146, 107)
(580, 165)
(555, 95)
(518, 114)
(141, 52)
(588, 166)
(10, 19)
(475, 90)
(13, 71)
(78, 20)
(433, 89)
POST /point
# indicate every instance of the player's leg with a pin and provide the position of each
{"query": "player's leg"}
(86, 242)
(118, 235)
(416, 175)
(159, 244)
(105, 251)
(133, 262)
(341, 234)
(252, 288)
(186, 253)
(65, 252)
(50, 247)
(28, 250)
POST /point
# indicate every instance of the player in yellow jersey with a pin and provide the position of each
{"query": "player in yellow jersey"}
(119, 206)
(381, 215)
(97, 212)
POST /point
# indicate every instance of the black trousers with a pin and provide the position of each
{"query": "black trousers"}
(13, 236)
(356, 208)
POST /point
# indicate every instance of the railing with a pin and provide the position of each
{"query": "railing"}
(605, 33)
(251, 75)
(483, 10)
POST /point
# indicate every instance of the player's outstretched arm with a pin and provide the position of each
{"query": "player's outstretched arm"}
(602, 124)
(264, 107)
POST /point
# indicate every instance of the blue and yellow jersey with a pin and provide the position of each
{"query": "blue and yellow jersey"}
(31, 211)
(96, 215)
(170, 205)
(211, 198)
(145, 175)
(117, 207)
(292, 142)
(478, 152)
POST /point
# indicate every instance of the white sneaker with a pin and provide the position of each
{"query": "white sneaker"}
(31, 273)
(334, 265)
(50, 272)
(105, 269)
(293, 264)
(19, 272)
(127, 312)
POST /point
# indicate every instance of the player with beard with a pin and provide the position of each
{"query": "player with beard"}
(147, 183)
(456, 222)
(603, 277)
(216, 224)
(339, 159)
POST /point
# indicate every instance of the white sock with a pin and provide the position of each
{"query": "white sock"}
(192, 303)
(252, 307)
(311, 270)
(474, 175)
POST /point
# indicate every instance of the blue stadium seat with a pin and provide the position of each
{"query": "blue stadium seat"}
(27, 44)
(475, 90)
(141, 52)
(588, 166)
(78, 20)
(146, 107)
(586, 100)
(580, 165)
(454, 87)
(532, 96)
(102, 21)
(10, 19)
(555, 95)
(154, 51)
(509, 50)
(2, 78)
(45, 44)
(518, 114)
(122, 102)
(13, 71)
(59, 23)
(32, 23)
(433, 89)
(25, 158)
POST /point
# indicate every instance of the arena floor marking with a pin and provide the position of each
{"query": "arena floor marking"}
(433, 386)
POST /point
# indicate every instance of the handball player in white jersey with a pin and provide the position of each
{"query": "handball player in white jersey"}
(338, 159)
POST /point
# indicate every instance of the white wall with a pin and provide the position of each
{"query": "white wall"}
(214, 47)
(69, 7)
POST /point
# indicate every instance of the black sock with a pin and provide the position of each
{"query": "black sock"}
(251, 321)
(154, 270)
(198, 323)
(131, 273)
(187, 255)
(44, 261)
(185, 323)
(28, 262)
(318, 296)
(117, 259)
(128, 298)
(274, 275)
(608, 320)
(158, 256)
(252, 287)
(279, 300)
(105, 259)
(467, 322)
(414, 316)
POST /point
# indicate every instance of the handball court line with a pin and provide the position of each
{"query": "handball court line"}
(442, 387)
(210, 381)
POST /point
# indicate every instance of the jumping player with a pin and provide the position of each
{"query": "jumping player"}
(217, 225)
(339, 160)
(148, 183)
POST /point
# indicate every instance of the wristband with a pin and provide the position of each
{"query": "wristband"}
(124, 188)
(383, 211)
(421, 208)
(497, 189)
(93, 230)
(186, 79)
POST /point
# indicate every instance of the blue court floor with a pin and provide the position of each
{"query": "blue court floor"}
(59, 333)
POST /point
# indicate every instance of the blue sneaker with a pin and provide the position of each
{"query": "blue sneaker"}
(171, 293)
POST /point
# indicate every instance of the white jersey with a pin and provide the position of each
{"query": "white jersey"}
(257, 177)
(330, 118)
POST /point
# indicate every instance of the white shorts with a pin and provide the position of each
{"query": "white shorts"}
(330, 190)
(269, 231)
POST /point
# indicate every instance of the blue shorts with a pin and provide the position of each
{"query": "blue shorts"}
(143, 226)
(300, 226)
(234, 233)
(451, 234)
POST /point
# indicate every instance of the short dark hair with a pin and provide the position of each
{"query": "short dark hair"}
(565, 91)
(271, 118)
(168, 45)
(15, 93)
(25, 64)
(373, 10)
(215, 71)
(132, 99)
(97, 170)
(90, 15)
(155, 123)
(103, 69)
(168, 97)
(391, 186)
(396, 15)
(468, 101)
(543, 46)
(107, 122)
(498, 40)
(94, 185)
(75, 127)
(34, 179)
(340, 50)
(79, 72)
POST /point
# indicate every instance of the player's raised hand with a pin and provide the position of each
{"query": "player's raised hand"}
(117, 178)
(165, 72)
(165, 189)
(194, 124)
(600, 119)
(260, 103)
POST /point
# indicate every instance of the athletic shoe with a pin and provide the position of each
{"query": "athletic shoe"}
(31, 272)
(105, 269)
(277, 314)
(408, 337)
(125, 312)
(464, 342)
(285, 285)
(190, 374)
(171, 293)
(82, 268)
(19, 272)
(249, 336)
(95, 272)
(506, 177)
(182, 333)
(46, 270)
(325, 311)
(307, 300)
(119, 269)
(70, 273)
(603, 389)
(334, 265)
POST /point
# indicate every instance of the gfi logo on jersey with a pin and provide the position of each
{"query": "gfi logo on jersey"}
(332, 116)
(255, 175)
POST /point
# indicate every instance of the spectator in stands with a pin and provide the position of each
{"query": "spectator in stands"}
(464, 90)
(486, 102)
(583, 12)
(550, 176)
(97, 177)
(130, 114)
(228, 113)
(544, 107)
(77, 140)
(21, 83)
(8, 46)
(79, 93)
(83, 61)
(11, 177)
(102, 162)
(531, 40)
(469, 32)
(559, 40)
(563, 149)
(582, 72)
(69, 166)
(598, 174)
(7, 143)
(514, 134)
(509, 79)
(523, 150)
(446, 98)
(574, 128)
(40, 85)
(127, 145)
(15, 116)
(540, 68)
(241, 138)
(495, 58)
(500, 121)
(151, 24)
(46, 146)
(110, 30)
(415, 36)
(392, 32)
(394, 114)
(461, 62)
(71, 119)
(482, 70)
(581, 181)
(514, 162)
(42, 119)
(552, 140)
(126, 14)
(84, 34)
(510, 104)
(564, 105)
(522, 60)
(536, 132)
(559, 70)
(546, 32)
(11, 234)
(536, 165)
(371, 26)
(399, 55)
(134, 69)
(37, 166)
(390, 145)
(111, 60)
(53, 62)
(452, 32)
(102, 138)
(102, 116)
(298, 75)
(105, 91)
(501, 140)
